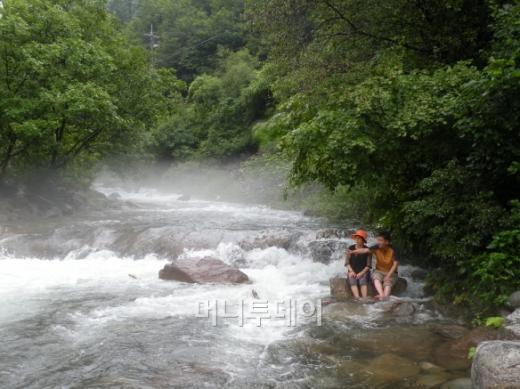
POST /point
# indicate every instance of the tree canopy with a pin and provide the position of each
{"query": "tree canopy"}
(72, 89)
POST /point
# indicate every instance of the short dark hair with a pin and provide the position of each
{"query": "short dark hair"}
(384, 234)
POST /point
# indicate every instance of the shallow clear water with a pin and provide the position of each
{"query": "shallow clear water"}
(81, 304)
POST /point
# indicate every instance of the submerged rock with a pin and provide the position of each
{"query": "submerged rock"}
(454, 354)
(339, 288)
(449, 331)
(343, 311)
(390, 367)
(409, 341)
(496, 365)
(430, 368)
(380, 371)
(402, 308)
(458, 383)
(431, 380)
(205, 270)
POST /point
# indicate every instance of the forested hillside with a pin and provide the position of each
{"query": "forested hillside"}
(416, 106)
(406, 111)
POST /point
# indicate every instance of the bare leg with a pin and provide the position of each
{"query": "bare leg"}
(355, 291)
(388, 290)
(364, 291)
(379, 288)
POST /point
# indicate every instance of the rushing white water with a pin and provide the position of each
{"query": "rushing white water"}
(95, 314)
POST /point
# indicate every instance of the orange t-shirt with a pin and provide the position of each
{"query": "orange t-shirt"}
(385, 259)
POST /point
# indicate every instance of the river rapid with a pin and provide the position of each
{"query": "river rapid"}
(81, 305)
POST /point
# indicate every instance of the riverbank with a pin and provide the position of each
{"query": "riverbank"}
(47, 199)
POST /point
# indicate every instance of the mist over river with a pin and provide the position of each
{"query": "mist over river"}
(81, 305)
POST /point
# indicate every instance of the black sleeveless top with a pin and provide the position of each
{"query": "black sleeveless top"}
(359, 261)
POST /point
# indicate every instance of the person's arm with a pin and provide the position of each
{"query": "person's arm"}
(365, 250)
(347, 262)
(367, 267)
(392, 269)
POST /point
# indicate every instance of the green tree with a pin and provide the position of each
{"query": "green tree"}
(190, 32)
(219, 112)
(416, 103)
(72, 90)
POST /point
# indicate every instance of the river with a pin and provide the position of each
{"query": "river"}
(81, 305)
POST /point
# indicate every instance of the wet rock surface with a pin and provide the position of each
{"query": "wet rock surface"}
(458, 383)
(407, 341)
(206, 270)
(401, 308)
(340, 289)
(449, 331)
(283, 239)
(511, 328)
(390, 367)
(453, 354)
(327, 251)
(431, 380)
(496, 365)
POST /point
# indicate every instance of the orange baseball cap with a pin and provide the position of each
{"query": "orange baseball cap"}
(361, 233)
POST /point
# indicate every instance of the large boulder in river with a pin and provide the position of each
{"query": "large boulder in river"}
(511, 328)
(340, 290)
(205, 270)
(496, 365)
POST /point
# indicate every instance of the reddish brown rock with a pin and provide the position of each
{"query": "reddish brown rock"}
(206, 270)
(341, 291)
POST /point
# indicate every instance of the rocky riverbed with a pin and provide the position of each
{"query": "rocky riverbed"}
(82, 304)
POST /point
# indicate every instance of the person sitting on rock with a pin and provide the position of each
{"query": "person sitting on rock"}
(385, 275)
(358, 265)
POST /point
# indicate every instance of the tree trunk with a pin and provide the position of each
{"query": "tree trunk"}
(4, 164)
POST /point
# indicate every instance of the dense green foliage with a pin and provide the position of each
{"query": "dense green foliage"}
(215, 118)
(407, 111)
(71, 88)
(208, 44)
(420, 104)
(189, 33)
